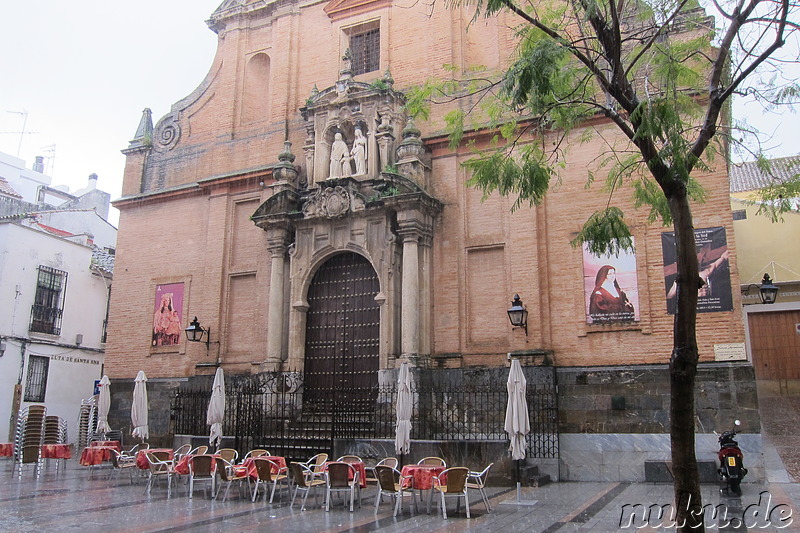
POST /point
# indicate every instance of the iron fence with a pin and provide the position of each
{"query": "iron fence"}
(268, 411)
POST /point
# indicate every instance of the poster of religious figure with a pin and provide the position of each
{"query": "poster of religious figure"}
(168, 315)
(712, 256)
(611, 287)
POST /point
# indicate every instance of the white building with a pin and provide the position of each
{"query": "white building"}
(56, 265)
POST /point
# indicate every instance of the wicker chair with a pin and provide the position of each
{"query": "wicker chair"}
(342, 477)
(454, 487)
(349, 459)
(160, 466)
(228, 475)
(305, 480)
(477, 481)
(372, 476)
(229, 454)
(120, 462)
(433, 461)
(392, 483)
(201, 469)
(264, 470)
(258, 452)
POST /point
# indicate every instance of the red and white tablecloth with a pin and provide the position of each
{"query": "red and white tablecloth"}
(141, 457)
(250, 465)
(109, 443)
(56, 451)
(6, 449)
(422, 475)
(94, 455)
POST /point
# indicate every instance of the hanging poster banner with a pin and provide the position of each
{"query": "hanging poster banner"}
(712, 255)
(610, 286)
(167, 315)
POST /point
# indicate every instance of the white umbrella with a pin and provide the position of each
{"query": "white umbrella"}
(103, 405)
(402, 440)
(517, 422)
(216, 408)
(139, 408)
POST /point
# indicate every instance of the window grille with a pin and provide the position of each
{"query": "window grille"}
(366, 50)
(739, 214)
(36, 384)
(48, 304)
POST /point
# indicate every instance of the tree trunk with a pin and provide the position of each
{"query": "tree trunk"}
(683, 369)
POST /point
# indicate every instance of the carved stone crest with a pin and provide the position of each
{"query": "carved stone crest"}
(329, 202)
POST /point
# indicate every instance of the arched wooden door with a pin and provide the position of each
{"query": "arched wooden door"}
(342, 335)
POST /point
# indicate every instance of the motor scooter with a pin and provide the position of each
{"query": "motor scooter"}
(731, 461)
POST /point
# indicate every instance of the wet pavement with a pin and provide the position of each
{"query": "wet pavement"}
(82, 499)
(78, 499)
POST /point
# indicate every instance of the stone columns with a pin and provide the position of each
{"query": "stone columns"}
(277, 241)
(409, 312)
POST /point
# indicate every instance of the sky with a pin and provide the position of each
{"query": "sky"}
(77, 74)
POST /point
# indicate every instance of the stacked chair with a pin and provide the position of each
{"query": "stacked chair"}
(87, 422)
(29, 437)
(55, 432)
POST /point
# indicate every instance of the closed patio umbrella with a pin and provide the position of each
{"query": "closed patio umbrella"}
(103, 405)
(517, 423)
(402, 440)
(139, 408)
(216, 408)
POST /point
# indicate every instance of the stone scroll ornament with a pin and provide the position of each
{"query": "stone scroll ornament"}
(167, 134)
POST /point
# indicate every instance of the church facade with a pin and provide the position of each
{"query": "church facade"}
(293, 208)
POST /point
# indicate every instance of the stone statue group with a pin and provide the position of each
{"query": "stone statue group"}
(342, 158)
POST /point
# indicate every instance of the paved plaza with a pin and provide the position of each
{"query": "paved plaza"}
(79, 499)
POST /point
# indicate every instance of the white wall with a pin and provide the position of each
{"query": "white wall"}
(73, 369)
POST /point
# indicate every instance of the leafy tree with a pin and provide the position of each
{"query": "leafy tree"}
(664, 73)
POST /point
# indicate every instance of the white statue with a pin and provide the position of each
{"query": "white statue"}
(340, 158)
(359, 153)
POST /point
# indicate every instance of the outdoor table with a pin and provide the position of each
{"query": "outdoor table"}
(141, 456)
(250, 466)
(422, 477)
(360, 467)
(182, 466)
(56, 451)
(110, 443)
(94, 455)
(6, 449)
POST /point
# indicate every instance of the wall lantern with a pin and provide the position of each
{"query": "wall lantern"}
(195, 333)
(767, 291)
(518, 315)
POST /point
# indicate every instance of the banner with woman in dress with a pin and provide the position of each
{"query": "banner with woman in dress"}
(610, 287)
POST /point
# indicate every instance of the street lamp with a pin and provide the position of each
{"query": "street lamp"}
(518, 315)
(767, 291)
(195, 333)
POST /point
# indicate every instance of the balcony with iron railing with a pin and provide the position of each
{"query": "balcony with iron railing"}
(45, 320)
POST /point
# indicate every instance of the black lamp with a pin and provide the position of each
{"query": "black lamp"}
(195, 332)
(768, 291)
(518, 315)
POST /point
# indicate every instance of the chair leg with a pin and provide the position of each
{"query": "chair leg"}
(308, 489)
(485, 500)
(191, 486)
(444, 507)
(466, 502)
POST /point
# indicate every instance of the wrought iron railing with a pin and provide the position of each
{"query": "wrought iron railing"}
(45, 319)
(268, 411)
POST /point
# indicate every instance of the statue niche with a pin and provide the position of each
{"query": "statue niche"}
(348, 150)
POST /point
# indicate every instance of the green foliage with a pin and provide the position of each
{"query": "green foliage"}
(605, 233)
(527, 176)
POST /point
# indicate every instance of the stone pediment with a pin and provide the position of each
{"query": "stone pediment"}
(337, 9)
(342, 197)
